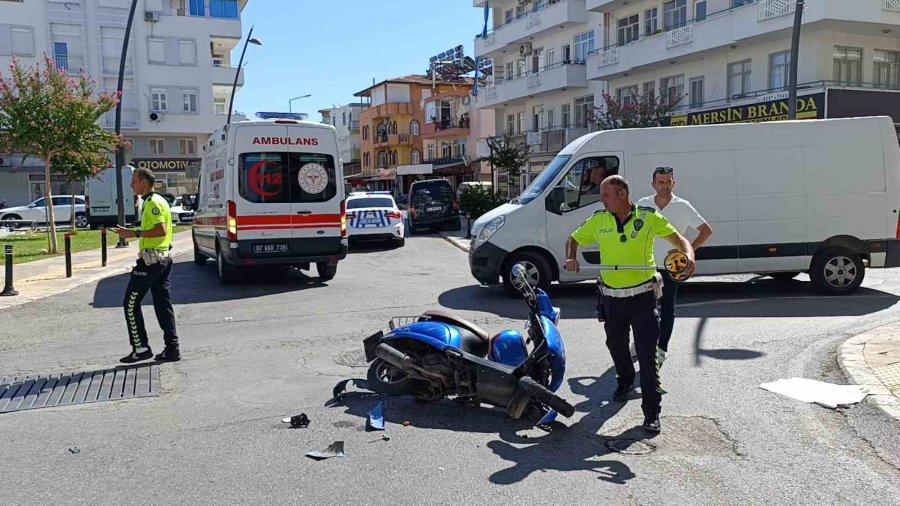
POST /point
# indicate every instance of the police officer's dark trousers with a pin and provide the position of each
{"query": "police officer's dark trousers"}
(155, 279)
(667, 309)
(639, 313)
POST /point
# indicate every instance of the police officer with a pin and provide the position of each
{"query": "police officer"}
(151, 273)
(625, 234)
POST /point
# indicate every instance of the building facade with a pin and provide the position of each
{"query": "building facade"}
(721, 61)
(715, 61)
(346, 119)
(539, 88)
(178, 76)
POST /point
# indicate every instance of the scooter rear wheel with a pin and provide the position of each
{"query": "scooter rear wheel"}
(388, 380)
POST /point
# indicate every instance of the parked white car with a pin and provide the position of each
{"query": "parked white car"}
(36, 212)
(180, 214)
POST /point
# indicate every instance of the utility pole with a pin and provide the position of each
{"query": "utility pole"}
(795, 56)
(120, 153)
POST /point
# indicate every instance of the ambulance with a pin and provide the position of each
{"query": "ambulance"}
(271, 194)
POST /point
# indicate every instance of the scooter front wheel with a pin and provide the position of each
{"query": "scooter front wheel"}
(386, 379)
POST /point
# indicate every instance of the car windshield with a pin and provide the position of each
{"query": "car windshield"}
(369, 202)
(425, 191)
(544, 179)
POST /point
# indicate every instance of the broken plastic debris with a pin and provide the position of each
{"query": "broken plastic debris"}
(74, 450)
(339, 389)
(335, 449)
(376, 418)
(229, 318)
(818, 392)
(382, 438)
(300, 421)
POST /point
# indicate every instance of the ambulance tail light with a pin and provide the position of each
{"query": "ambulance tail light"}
(344, 218)
(898, 228)
(231, 220)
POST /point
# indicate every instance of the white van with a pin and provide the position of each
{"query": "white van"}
(271, 194)
(100, 196)
(816, 196)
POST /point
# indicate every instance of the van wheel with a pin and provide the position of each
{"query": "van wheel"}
(228, 274)
(836, 271)
(326, 271)
(199, 258)
(81, 220)
(536, 268)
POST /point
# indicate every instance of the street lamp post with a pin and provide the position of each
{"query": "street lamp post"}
(296, 98)
(237, 72)
(795, 56)
(120, 153)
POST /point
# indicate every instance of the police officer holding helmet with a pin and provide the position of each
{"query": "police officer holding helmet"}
(151, 273)
(625, 234)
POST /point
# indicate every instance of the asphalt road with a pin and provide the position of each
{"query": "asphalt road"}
(274, 346)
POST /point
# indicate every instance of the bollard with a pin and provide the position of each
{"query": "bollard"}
(68, 255)
(8, 290)
(103, 245)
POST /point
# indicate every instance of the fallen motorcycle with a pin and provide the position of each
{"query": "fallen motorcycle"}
(438, 354)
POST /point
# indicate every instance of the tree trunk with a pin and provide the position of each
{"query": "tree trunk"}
(51, 216)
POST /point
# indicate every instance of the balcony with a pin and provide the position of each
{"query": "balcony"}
(390, 109)
(400, 139)
(605, 5)
(890, 5)
(130, 118)
(446, 129)
(552, 140)
(446, 161)
(354, 127)
(224, 76)
(69, 62)
(222, 19)
(551, 78)
(546, 17)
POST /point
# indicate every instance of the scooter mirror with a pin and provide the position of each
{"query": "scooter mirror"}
(519, 276)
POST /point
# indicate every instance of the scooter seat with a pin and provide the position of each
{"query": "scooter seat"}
(439, 315)
(471, 343)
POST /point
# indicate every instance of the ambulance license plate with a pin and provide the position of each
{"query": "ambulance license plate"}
(270, 248)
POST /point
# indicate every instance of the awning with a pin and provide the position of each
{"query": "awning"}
(383, 174)
(409, 170)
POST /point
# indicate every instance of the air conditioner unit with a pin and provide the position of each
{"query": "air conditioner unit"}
(156, 116)
(151, 16)
(525, 49)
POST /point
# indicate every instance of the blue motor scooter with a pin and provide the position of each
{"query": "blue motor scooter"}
(440, 354)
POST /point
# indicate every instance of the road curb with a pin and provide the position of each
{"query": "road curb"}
(459, 243)
(112, 270)
(853, 361)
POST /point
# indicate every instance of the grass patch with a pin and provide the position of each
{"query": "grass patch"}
(33, 245)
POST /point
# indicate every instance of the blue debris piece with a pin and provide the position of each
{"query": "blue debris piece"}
(376, 418)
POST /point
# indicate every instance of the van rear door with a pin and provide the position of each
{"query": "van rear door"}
(316, 194)
(263, 199)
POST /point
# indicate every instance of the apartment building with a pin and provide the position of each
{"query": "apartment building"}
(724, 61)
(346, 119)
(178, 76)
(539, 88)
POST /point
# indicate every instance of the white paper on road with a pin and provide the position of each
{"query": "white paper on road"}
(818, 392)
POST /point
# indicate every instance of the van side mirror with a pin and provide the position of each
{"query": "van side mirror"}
(555, 200)
(189, 201)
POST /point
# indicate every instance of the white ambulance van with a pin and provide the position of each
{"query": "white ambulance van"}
(815, 196)
(271, 193)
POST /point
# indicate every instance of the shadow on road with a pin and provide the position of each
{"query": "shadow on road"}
(758, 298)
(192, 284)
(560, 448)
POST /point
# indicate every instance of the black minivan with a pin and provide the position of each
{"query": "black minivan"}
(433, 204)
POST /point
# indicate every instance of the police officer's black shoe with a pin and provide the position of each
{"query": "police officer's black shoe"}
(137, 357)
(651, 424)
(169, 355)
(621, 394)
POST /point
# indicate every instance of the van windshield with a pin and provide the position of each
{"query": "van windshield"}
(286, 177)
(544, 179)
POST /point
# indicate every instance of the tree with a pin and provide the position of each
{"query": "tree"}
(48, 114)
(639, 111)
(507, 155)
(476, 200)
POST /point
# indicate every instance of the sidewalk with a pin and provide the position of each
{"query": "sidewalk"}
(43, 278)
(458, 238)
(872, 360)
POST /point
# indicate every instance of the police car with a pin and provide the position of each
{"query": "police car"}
(374, 215)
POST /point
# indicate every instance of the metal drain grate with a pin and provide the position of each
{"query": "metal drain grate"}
(33, 392)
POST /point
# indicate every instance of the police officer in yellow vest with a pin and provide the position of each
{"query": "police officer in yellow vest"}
(151, 273)
(625, 234)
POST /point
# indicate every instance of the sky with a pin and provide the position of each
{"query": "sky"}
(332, 49)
